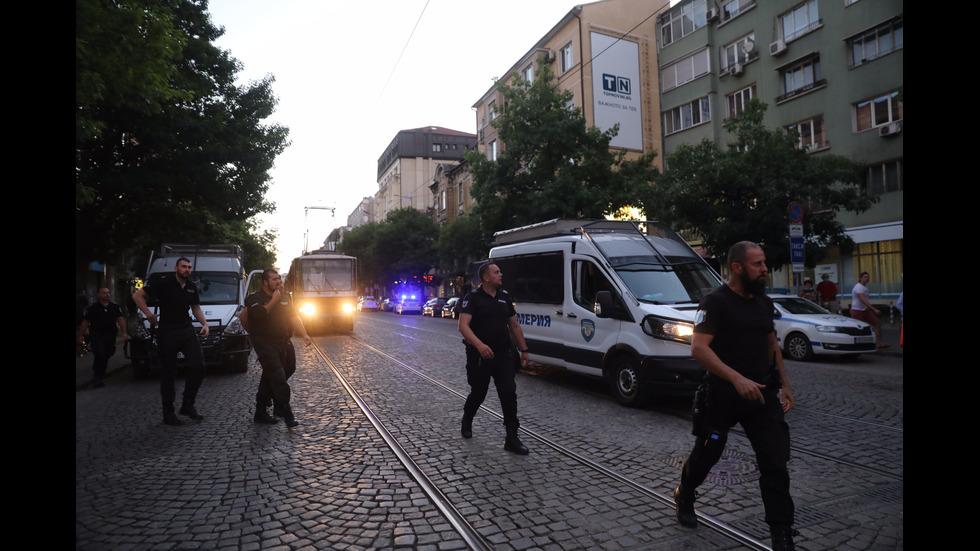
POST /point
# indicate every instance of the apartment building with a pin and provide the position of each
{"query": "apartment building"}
(450, 190)
(830, 69)
(605, 53)
(409, 163)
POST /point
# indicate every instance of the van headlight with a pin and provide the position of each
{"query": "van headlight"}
(671, 330)
(234, 327)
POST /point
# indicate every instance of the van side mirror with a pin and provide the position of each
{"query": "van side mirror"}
(606, 307)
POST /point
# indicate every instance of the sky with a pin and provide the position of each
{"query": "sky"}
(350, 75)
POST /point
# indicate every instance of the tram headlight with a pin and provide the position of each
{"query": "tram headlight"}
(308, 309)
(348, 308)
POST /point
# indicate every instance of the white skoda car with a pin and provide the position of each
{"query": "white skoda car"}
(804, 329)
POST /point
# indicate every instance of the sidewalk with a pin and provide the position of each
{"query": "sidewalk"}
(83, 367)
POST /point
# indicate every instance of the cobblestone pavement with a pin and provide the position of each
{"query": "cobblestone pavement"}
(226, 483)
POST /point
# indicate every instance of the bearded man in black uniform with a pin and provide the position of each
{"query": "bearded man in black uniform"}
(735, 341)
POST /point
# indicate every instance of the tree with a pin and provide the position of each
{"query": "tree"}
(460, 242)
(168, 148)
(402, 247)
(744, 192)
(552, 165)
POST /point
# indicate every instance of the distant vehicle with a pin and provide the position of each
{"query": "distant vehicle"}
(803, 329)
(408, 304)
(323, 285)
(449, 310)
(433, 307)
(219, 271)
(386, 305)
(368, 304)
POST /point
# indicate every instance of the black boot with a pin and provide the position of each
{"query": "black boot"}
(684, 502)
(262, 416)
(513, 443)
(467, 426)
(286, 413)
(189, 411)
(782, 538)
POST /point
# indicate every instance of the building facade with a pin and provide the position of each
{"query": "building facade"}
(832, 70)
(408, 165)
(605, 54)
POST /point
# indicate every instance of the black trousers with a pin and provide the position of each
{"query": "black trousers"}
(767, 431)
(278, 361)
(502, 370)
(103, 347)
(181, 339)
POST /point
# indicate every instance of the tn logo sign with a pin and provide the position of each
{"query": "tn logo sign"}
(613, 83)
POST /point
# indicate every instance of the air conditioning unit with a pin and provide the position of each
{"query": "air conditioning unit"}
(713, 14)
(889, 129)
(549, 56)
(777, 48)
(738, 69)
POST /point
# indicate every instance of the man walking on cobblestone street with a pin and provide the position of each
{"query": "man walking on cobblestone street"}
(735, 341)
(487, 320)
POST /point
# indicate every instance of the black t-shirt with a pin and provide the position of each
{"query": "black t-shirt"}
(276, 324)
(175, 301)
(741, 328)
(102, 319)
(490, 316)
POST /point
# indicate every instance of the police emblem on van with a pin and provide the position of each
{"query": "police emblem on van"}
(588, 330)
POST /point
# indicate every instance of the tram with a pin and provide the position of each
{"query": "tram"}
(323, 286)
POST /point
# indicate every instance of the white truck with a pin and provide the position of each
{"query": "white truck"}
(219, 272)
(608, 298)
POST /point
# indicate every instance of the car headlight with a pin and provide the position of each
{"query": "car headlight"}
(672, 330)
(828, 329)
(234, 327)
(308, 309)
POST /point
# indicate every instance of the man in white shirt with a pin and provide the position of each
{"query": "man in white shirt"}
(862, 309)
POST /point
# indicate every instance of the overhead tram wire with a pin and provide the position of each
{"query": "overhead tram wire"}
(405, 47)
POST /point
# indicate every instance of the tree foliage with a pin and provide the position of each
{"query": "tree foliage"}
(402, 247)
(168, 147)
(723, 196)
(552, 165)
(461, 242)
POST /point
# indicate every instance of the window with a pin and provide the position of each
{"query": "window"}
(800, 77)
(885, 178)
(436, 147)
(799, 21)
(732, 8)
(686, 116)
(811, 133)
(493, 150)
(677, 24)
(877, 111)
(492, 109)
(534, 277)
(528, 73)
(736, 102)
(686, 70)
(587, 281)
(739, 51)
(877, 42)
(566, 58)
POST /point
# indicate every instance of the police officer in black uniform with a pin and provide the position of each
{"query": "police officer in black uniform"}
(271, 323)
(99, 323)
(175, 334)
(487, 320)
(735, 340)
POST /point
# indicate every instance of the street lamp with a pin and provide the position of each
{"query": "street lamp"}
(409, 197)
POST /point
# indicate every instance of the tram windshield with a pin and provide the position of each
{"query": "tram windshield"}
(327, 275)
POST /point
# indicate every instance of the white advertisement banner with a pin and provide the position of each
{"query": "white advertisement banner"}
(616, 89)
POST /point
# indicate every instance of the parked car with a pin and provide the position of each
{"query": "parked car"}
(408, 305)
(449, 310)
(367, 303)
(386, 305)
(433, 307)
(803, 329)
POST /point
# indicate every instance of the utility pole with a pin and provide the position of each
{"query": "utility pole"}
(306, 232)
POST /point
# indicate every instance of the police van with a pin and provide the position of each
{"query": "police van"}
(608, 298)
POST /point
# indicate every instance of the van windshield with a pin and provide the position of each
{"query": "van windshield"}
(217, 287)
(667, 284)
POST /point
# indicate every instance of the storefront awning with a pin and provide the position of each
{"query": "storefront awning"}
(876, 232)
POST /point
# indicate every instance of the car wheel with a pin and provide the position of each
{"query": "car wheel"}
(624, 382)
(798, 347)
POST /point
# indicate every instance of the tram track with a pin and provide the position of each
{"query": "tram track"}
(470, 534)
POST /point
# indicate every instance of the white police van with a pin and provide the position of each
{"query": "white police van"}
(608, 298)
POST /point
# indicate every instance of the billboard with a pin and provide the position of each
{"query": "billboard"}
(616, 89)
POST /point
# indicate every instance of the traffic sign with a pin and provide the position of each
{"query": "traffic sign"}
(795, 213)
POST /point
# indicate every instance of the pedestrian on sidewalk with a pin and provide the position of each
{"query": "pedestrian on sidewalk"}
(828, 293)
(99, 323)
(487, 320)
(735, 341)
(862, 309)
(177, 295)
(271, 320)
